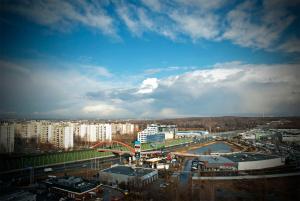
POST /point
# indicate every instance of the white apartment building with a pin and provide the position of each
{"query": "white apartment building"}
(122, 128)
(93, 132)
(62, 136)
(45, 134)
(104, 132)
(28, 130)
(7, 138)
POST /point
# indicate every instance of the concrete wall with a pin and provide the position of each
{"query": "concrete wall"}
(260, 164)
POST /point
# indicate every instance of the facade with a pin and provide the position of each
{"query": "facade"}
(159, 137)
(104, 132)
(73, 187)
(45, 132)
(93, 132)
(7, 138)
(62, 136)
(28, 130)
(169, 131)
(122, 128)
(127, 174)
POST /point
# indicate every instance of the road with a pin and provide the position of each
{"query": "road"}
(39, 172)
(184, 175)
(77, 165)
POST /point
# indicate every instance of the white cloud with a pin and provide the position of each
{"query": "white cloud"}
(98, 70)
(104, 110)
(63, 15)
(153, 4)
(292, 45)
(148, 86)
(232, 88)
(168, 113)
(242, 88)
(197, 26)
(251, 26)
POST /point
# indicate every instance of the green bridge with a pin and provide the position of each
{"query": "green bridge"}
(42, 160)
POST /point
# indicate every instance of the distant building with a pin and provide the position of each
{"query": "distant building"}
(93, 132)
(290, 135)
(73, 187)
(192, 133)
(159, 137)
(123, 128)
(28, 130)
(45, 132)
(7, 137)
(155, 132)
(136, 175)
(168, 130)
(239, 161)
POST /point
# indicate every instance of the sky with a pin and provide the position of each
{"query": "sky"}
(114, 59)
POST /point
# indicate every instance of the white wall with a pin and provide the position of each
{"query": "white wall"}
(261, 164)
(68, 137)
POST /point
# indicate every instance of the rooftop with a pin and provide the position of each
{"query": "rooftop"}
(215, 159)
(241, 157)
(76, 184)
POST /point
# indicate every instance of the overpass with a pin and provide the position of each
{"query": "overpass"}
(119, 148)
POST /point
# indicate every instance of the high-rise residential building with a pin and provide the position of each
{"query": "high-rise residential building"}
(83, 132)
(92, 133)
(7, 137)
(104, 132)
(28, 130)
(122, 128)
(45, 132)
(62, 136)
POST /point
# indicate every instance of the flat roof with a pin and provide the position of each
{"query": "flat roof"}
(129, 171)
(215, 159)
(241, 157)
(75, 184)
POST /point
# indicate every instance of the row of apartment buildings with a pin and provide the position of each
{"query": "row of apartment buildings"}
(60, 134)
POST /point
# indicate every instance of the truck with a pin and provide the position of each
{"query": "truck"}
(48, 169)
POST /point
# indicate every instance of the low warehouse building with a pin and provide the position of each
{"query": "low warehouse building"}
(240, 161)
(255, 161)
(121, 173)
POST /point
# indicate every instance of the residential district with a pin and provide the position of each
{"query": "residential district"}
(94, 160)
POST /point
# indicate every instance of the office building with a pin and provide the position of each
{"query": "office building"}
(155, 133)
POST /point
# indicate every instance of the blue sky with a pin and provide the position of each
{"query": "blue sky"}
(149, 59)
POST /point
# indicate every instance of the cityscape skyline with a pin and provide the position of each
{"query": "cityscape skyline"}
(149, 59)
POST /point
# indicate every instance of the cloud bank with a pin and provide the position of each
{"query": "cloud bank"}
(232, 88)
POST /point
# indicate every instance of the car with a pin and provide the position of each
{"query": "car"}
(162, 185)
